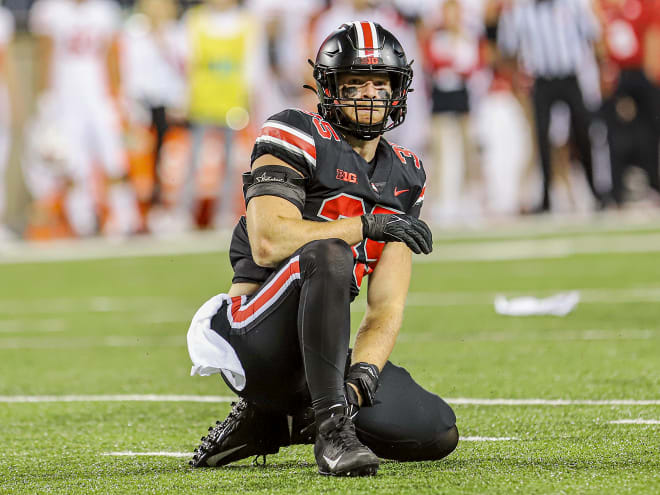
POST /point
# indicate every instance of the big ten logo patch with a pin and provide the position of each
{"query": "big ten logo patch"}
(346, 176)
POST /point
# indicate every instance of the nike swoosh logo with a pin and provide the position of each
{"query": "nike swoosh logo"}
(397, 191)
(212, 461)
(332, 463)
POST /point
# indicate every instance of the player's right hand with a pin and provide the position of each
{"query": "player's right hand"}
(398, 227)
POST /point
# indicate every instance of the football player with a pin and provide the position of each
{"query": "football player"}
(77, 57)
(329, 200)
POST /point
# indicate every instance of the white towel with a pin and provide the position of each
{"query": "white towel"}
(209, 352)
(558, 305)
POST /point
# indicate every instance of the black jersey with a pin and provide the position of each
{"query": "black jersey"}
(340, 184)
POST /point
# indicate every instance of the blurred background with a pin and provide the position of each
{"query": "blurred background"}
(138, 117)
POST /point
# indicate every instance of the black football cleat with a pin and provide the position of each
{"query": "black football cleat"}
(248, 431)
(338, 452)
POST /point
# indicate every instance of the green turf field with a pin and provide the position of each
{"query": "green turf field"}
(117, 327)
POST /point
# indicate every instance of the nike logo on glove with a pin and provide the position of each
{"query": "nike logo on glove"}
(397, 191)
(332, 463)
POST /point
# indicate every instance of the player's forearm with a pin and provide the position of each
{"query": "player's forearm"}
(377, 335)
(280, 237)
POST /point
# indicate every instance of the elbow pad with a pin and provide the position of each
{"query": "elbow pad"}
(275, 180)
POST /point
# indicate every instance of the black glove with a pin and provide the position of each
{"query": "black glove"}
(352, 400)
(398, 228)
(365, 378)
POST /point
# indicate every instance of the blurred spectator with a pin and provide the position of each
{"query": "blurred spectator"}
(77, 55)
(452, 55)
(9, 107)
(287, 25)
(631, 30)
(551, 37)
(506, 148)
(153, 74)
(224, 57)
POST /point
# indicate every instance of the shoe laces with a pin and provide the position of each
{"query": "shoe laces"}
(228, 424)
(344, 433)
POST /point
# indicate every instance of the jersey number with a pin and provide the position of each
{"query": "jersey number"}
(324, 128)
(404, 153)
(347, 206)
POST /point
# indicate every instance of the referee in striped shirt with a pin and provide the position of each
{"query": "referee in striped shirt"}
(550, 38)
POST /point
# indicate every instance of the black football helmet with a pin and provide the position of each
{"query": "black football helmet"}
(362, 48)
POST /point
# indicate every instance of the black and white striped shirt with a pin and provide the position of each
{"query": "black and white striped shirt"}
(550, 37)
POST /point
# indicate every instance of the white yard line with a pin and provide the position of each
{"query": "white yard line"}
(123, 341)
(12, 399)
(165, 309)
(189, 454)
(488, 439)
(563, 335)
(551, 402)
(463, 401)
(92, 342)
(587, 295)
(506, 250)
(97, 304)
(637, 421)
(33, 325)
(149, 454)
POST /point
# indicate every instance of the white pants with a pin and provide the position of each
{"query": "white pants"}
(506, 143)
(70, 139)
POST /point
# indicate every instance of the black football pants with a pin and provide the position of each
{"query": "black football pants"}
(545, 94)
(292, 338)
(635, 141)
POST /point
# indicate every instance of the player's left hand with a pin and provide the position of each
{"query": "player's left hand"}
(398, 227)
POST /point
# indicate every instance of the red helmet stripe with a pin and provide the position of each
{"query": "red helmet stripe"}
(368, 38)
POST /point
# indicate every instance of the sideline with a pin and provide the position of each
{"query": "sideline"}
(561, 237)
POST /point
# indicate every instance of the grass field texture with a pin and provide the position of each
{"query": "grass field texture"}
(117, 326)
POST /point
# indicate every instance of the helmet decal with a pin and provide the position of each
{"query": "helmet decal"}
(367, 37)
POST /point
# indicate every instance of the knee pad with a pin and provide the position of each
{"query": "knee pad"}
(331, 257)
(444, 445)
(434, 448)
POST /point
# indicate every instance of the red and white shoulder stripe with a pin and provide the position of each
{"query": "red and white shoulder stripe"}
(420, 200)
(367, 38)
(291, 139)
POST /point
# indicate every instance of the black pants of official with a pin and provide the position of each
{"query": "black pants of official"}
(632, 115)
(407, 423)
(545, 94)
(160, 125)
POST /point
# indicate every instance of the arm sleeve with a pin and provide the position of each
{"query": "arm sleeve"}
(287, 135)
